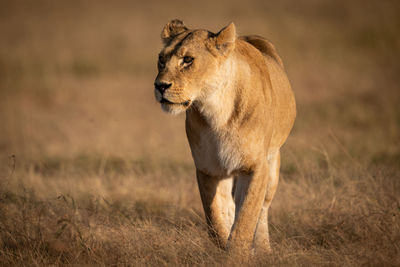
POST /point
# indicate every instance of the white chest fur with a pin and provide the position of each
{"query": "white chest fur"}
(217, 154)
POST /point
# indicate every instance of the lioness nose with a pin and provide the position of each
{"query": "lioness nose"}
(162, 86)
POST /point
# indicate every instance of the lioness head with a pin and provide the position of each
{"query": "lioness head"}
(189, 64)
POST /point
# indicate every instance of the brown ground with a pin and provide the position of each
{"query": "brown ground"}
(92, 172)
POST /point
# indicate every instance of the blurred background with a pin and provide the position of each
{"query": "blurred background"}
(76, 77)
(78, 116)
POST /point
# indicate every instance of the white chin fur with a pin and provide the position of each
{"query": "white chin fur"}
(173, 109)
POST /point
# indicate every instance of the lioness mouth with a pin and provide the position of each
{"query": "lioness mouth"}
(186, 103)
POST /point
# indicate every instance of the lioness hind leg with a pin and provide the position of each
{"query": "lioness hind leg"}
(218, 205)
(261, 238)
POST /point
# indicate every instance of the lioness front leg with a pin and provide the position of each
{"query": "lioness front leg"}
(261, 239)
(219, 208)
(249, 197)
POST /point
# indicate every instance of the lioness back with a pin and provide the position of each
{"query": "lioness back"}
(285, 113)
(262, 44)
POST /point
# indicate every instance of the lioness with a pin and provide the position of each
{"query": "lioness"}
(239, 111)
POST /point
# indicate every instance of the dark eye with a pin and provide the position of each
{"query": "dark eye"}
(188, 60)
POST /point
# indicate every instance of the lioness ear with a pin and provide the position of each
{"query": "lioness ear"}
(226, 36)
(172, 29)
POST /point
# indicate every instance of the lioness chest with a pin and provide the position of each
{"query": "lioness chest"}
(223, 152)
(216, 154)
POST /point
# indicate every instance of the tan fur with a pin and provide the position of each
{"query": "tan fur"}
(239, 111)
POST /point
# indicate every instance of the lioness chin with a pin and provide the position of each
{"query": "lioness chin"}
(239, 111)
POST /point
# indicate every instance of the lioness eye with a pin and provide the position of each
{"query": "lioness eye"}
(188, 60)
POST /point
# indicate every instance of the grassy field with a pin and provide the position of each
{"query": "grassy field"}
(92, 172)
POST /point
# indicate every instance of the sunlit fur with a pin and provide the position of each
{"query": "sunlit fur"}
(239, 111)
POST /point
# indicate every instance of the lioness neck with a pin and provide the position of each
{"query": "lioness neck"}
(218, 103)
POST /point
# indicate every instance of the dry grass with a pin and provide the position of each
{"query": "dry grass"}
(92, 172)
